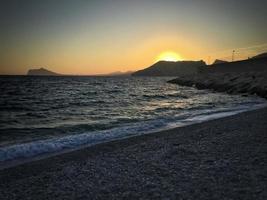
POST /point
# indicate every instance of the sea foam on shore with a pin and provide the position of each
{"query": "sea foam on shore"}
(47, 147)
(219, 159)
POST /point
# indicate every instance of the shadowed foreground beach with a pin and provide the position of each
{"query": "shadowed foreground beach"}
(220, 159)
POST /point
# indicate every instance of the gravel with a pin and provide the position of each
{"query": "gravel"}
(220, 159)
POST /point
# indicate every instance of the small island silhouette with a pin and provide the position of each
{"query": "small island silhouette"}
(42, 72)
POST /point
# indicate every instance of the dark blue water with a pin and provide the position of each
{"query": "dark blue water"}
(46, 114)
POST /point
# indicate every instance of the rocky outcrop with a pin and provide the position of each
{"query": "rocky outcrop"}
(244, 77)
(259, 64)
(244, 83)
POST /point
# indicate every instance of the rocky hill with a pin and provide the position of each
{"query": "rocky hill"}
(166, 68)
(256, 64)
(241, 77)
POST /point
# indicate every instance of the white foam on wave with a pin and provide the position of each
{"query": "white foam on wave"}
(30, 149)
(74, 142)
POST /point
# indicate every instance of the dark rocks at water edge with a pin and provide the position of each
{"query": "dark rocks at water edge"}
(242, 77)
(42, 72)
(167, 68)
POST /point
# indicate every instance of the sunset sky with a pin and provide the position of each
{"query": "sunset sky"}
(100, 36)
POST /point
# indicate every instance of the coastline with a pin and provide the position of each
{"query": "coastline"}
(250, 82)
(221, 158)
(24, 153)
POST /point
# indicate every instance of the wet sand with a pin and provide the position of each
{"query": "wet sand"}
(219, 159)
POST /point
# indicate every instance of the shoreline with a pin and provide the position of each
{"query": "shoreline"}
(243, 83)
(201, 119)
(167, 155)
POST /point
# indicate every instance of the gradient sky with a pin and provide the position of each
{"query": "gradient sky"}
(101, 36)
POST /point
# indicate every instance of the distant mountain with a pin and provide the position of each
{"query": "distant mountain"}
(119, 73)
(263, 55)
(42, 72)
(166, 68)
(217, 61)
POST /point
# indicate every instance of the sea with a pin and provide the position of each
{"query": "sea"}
(46, 115)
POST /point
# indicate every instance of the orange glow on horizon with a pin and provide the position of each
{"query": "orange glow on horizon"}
(169, 56)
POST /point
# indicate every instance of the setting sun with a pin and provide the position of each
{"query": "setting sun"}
(169, 56)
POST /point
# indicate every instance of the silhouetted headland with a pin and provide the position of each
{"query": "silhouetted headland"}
(241, 77)
(42, 72)
(167, 68)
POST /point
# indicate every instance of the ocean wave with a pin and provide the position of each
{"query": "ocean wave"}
(72, 142)
(30, 149)
(154, 96)
(165, 96)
